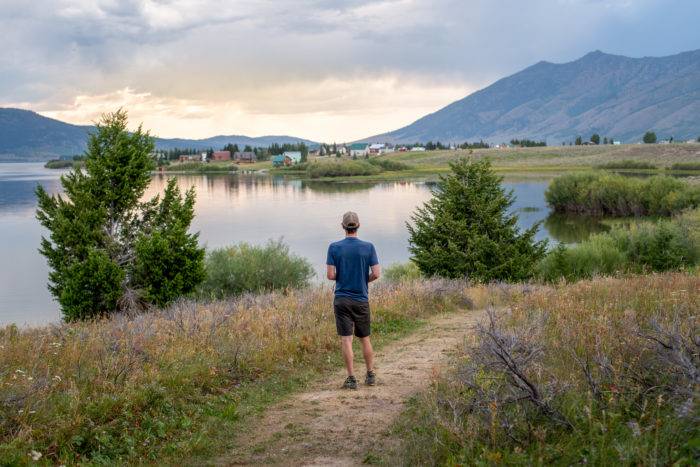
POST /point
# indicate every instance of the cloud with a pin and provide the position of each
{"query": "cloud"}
(327, 69)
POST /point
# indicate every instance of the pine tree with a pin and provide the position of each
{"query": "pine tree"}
(465, 230)
(108, 250)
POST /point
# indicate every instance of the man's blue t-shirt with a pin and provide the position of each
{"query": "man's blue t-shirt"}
(352, 259)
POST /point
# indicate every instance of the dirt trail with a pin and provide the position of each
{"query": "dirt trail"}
(325, 425)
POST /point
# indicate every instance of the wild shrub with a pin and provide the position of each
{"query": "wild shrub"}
(466, 230)
(341, 169)
(249, 268)
(644, 247)
(389, 164)
(399, 272)
(685, 166)
(626, 164)
(615, 195)
(107, 250)
(601, 372)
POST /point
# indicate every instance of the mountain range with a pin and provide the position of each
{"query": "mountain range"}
(612, 95)
(26, 135)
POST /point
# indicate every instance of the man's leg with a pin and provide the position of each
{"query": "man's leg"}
(367, 352)
(346, 347)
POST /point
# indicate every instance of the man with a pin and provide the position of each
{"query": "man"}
(353, 264)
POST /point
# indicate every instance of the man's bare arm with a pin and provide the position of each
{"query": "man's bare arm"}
(376, 273)
(330, 272)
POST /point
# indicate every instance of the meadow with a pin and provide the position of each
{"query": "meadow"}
(175, 383)
(600, 372)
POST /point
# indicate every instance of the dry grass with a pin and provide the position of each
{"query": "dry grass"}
(601, 372)
(660, 155)
(133, 388)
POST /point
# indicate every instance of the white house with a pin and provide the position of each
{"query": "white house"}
(359, 149)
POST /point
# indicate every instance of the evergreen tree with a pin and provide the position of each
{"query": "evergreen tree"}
(650, 137)
(579, 142)
(465, 230)
(108, 250)
(595, 138)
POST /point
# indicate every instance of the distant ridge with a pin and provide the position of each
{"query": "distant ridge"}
(26, 135)
(613, 95)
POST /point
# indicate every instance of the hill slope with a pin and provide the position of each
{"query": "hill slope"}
(26, 135)
(612, 95)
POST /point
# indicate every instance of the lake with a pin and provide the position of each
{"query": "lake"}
(243, 208)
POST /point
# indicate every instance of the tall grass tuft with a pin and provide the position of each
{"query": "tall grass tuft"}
(389, 164)
(249, 268)
(341, 169)
(601, 372)
(615, 195)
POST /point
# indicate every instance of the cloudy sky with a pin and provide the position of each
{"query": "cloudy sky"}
(328, 70)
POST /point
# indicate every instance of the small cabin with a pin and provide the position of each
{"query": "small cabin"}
(245, 157)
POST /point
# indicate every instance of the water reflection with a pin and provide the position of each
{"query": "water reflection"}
(565, 228)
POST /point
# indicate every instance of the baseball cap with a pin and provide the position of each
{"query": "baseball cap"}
(350, 220)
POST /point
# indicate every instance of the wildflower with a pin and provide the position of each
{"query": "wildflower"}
(35, 455)
(634, 426)
(57, 378)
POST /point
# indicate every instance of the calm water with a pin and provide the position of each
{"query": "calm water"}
(235, 208)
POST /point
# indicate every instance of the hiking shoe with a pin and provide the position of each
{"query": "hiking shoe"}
(350, 383)
(371, 378)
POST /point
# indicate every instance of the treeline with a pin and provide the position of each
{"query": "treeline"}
(527, 143)
(262, 153)
(594, 139)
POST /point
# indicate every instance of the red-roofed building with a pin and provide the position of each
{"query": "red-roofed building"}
(221, 156)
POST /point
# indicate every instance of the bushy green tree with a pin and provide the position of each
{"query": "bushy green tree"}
(595, 138)
(649, 137)
(579, 142)
(466, 230)
(107, 249)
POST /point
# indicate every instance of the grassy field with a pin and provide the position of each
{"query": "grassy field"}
(174, 384)
(601, 372)
(562, 157)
